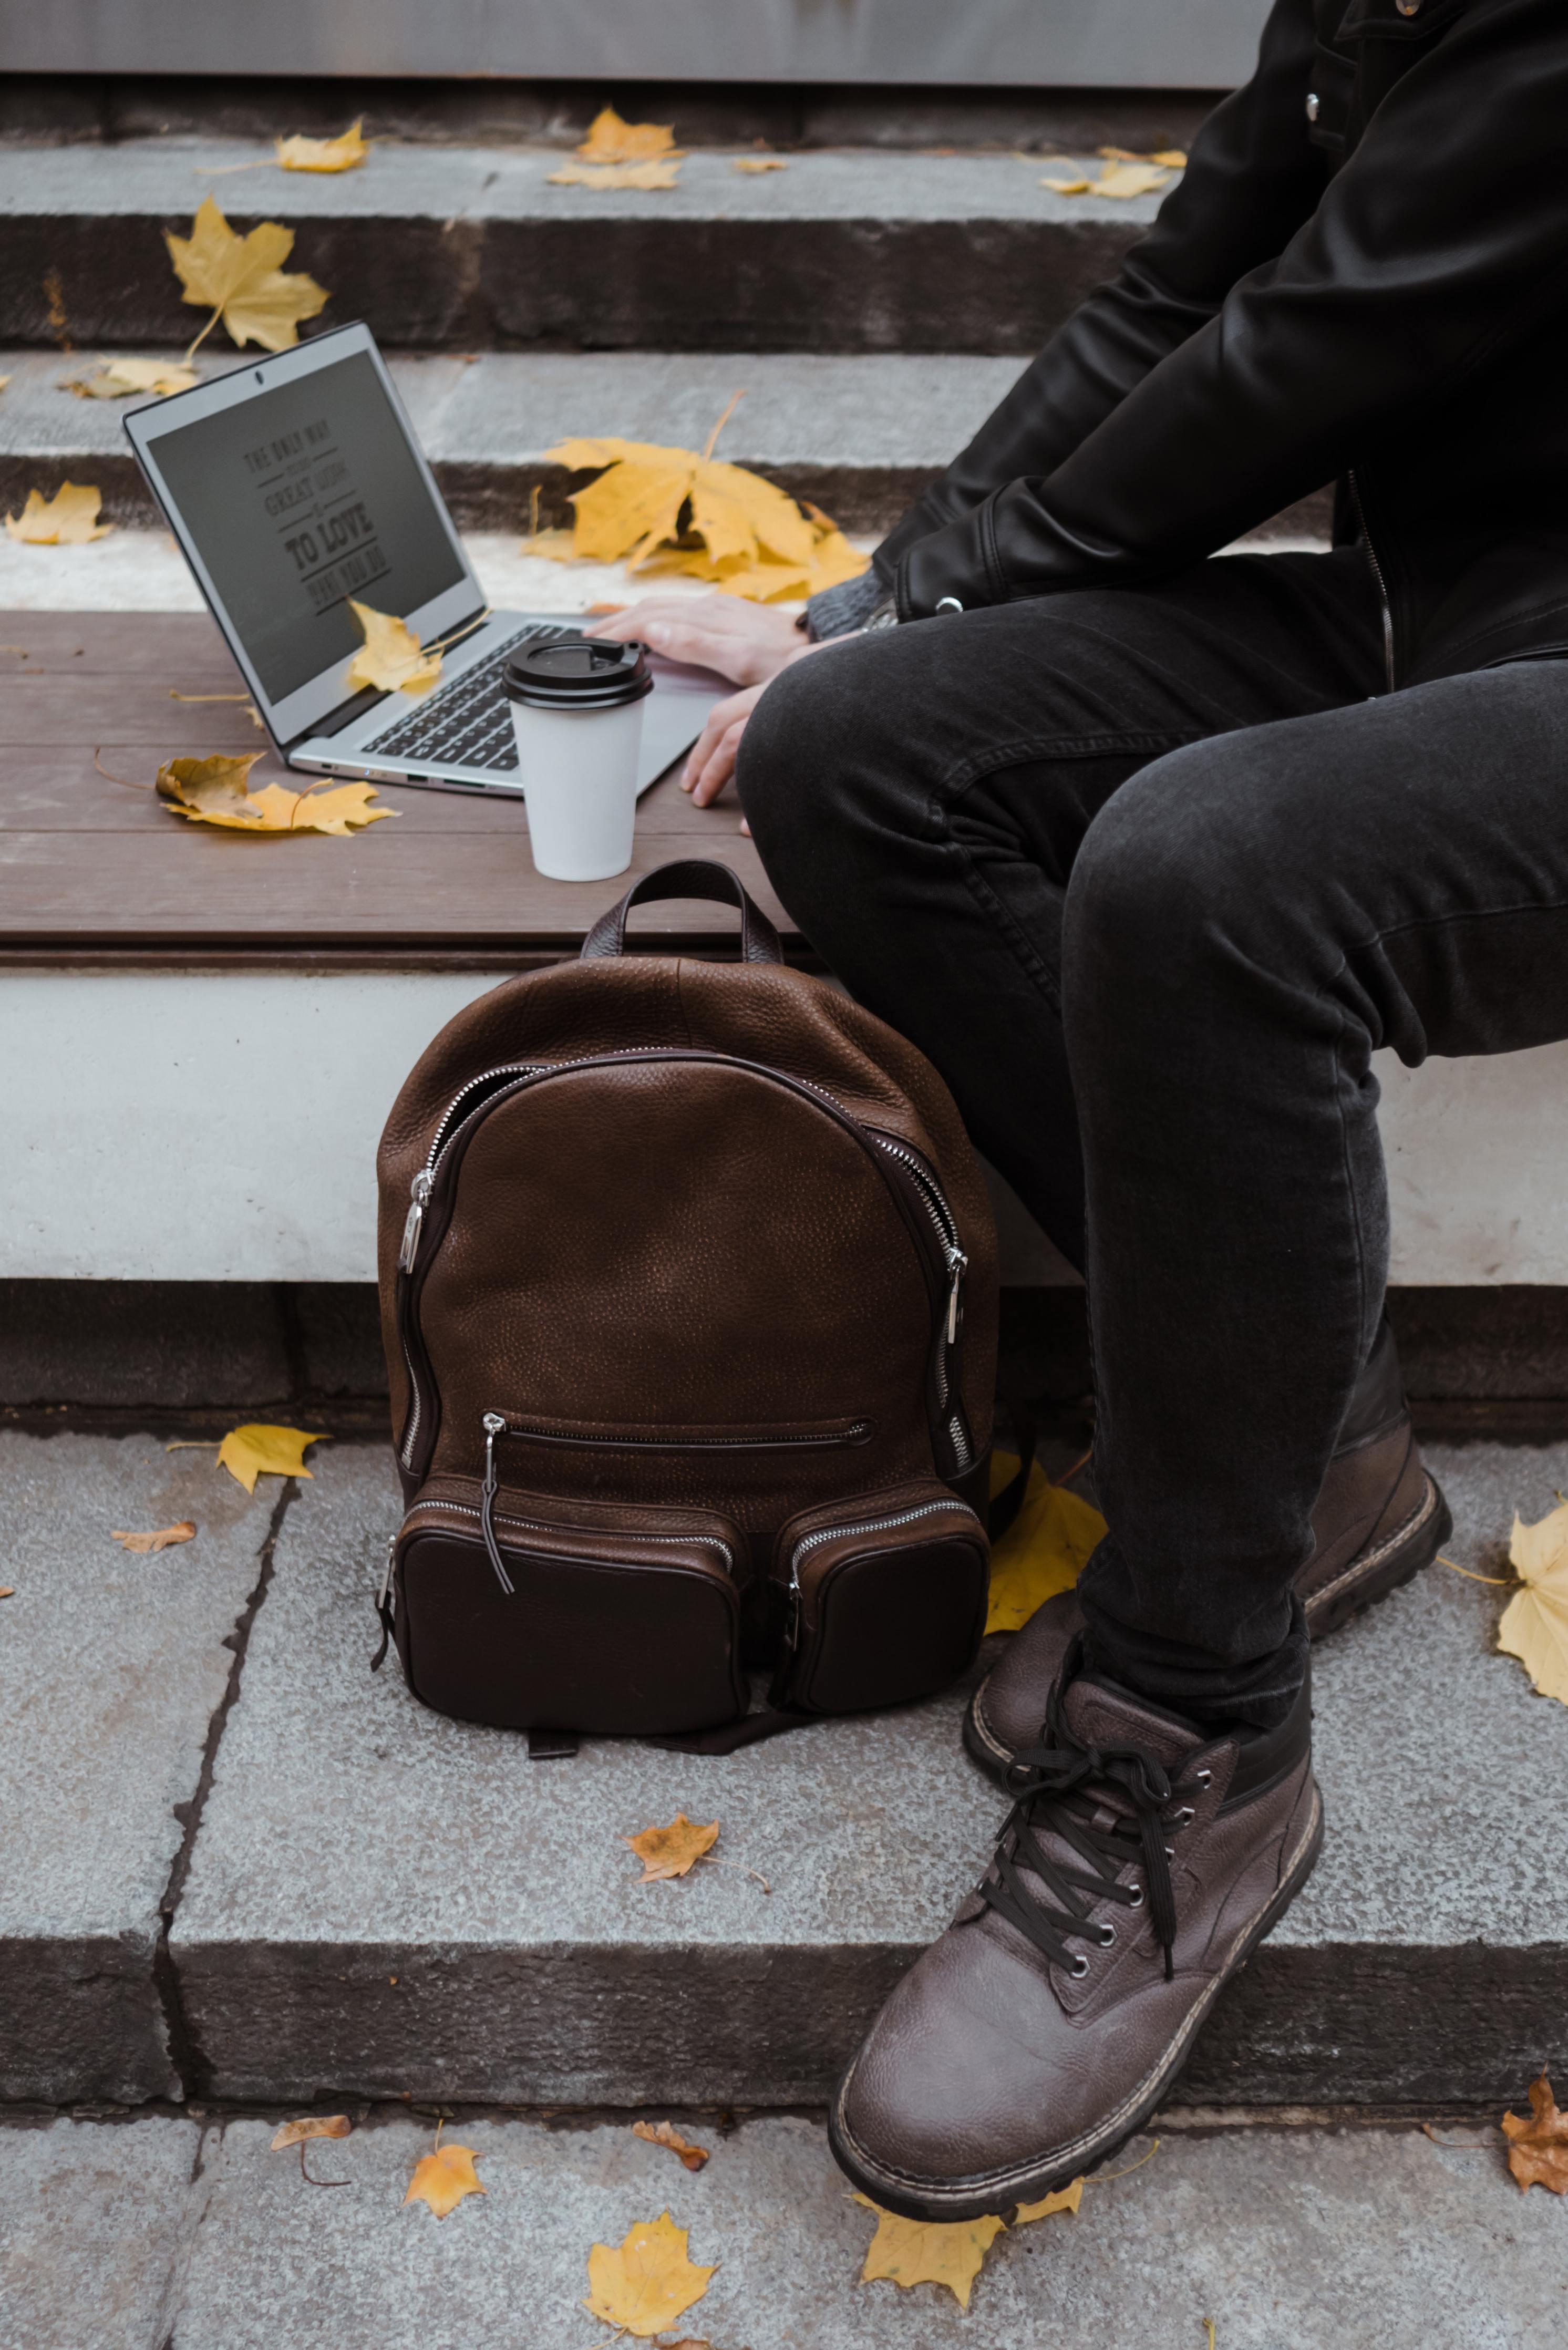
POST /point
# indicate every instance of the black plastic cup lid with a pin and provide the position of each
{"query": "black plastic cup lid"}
(578, 673)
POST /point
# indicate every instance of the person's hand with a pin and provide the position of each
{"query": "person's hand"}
(711, 762)
(747, 643)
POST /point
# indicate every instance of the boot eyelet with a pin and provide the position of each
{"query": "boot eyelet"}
(1108, 1936)
(1079, 1968)
(1134, 1897)
(1203, 1777)
(1184, 1818)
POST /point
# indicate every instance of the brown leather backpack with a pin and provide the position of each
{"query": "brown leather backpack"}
(688, 1286)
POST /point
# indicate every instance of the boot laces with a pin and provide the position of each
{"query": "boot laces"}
(1063, 1788)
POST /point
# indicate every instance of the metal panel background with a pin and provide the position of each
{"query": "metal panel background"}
(1151, 44)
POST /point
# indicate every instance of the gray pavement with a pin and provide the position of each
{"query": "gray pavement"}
(351, 1836)
(1287, 2238)
(111, 1667)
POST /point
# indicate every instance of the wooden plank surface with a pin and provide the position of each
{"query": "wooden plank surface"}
(93, 866)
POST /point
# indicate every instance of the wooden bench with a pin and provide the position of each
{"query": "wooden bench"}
(200, 1033)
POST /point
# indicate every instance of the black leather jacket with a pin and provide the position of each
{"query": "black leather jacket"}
(1363, 274)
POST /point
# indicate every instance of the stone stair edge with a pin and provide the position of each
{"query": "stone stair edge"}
(866, 252)
(858, 434)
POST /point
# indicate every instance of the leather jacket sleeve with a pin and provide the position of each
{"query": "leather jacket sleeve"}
(1442, 237)
(1251, 180)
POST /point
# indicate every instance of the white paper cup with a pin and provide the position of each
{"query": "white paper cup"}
(576, 713)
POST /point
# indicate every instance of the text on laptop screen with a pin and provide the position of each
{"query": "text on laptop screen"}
(297, 500)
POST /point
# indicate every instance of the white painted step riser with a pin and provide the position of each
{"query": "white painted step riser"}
(256, 1100)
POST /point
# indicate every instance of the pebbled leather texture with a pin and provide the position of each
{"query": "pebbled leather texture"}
(1369, 282)
(992, 2074)
(691, 1281)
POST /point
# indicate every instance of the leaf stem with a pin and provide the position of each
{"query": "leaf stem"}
(202, 336)
(129, 781)
(1105, 2176)
(318, 2182)
(1503, 1582)
(735, 400)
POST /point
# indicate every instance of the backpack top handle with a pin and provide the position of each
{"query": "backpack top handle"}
(689, 876)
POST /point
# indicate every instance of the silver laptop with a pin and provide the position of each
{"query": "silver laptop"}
(296, 482)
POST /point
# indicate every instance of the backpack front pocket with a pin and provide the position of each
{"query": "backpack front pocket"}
(887, 1601)
(570, 1618)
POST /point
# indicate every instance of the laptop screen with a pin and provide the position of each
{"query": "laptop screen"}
(297, 499)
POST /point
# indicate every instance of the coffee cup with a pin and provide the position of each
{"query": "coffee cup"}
(576, 713)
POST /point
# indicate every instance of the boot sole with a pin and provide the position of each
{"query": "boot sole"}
(1371, 1576)
(979, 2197)
(1389, 1565)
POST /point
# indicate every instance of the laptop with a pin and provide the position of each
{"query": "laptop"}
(295, 482)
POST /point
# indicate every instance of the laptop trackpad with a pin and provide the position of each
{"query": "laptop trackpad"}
(673, 714)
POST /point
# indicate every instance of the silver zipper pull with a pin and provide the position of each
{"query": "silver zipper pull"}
(494, 1425)
(420, 1189)
(386, 1589)
(958, 1265)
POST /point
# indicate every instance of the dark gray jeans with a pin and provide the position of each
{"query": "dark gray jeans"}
(1150, 875)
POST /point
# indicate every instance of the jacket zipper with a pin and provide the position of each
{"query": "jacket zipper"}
(943, 1223)
(1377, 575)
(854, 1526)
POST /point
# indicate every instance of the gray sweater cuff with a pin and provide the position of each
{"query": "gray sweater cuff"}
(838, 611)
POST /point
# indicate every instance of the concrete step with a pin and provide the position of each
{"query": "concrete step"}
(859, 436)
(373, 1900)
(193, 2233)
(461, 248)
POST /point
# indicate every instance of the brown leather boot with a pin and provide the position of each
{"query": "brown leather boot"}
(1139, 1866)
(1379, 1519)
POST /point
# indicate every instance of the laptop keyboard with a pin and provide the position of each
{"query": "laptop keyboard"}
(468, 724)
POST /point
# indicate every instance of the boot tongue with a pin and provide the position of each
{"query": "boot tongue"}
(1102, 1713)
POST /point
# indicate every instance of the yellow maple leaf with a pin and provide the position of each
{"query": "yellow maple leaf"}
(123, 379)
(1044, 1551)
(1068, 187)
(256, 1449)
(213, 791)
(617, 175)
(927, 2252)
(7, 1591)
(339, 154)
(666, 2134)
(611, 140)
(1067, 2198)
(5, 379)
(644, 2283)
(672, 1851)
(759, 163)
(442, 2179)
(673, 509)
(1131, 179)
(390, 657)
(242, 280)
(67, 519)
(1534, 1626)
(161, 1538)
(1173, 158)
(1538, 2148)
(311, 2126)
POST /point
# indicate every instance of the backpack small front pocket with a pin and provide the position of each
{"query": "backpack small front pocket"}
(887, 1601)
(582, 1623)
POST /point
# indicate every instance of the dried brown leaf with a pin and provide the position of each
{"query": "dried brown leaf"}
(312, 2125)
(666, 2134)
(162, 1538)
(674, 1850)
(1538, 2148)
